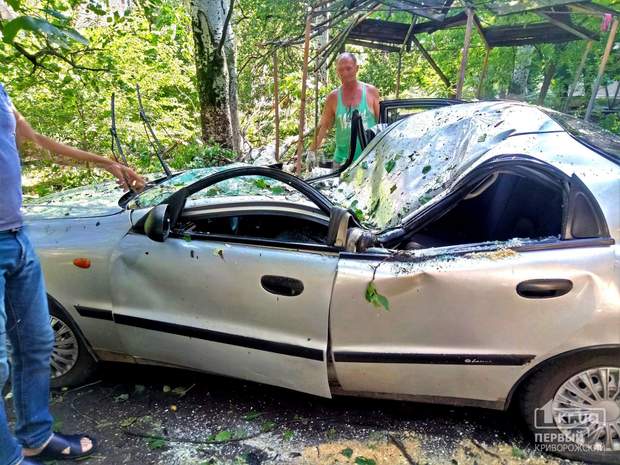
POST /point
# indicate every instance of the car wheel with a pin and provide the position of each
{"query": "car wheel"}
(573, 408)
(71, 363)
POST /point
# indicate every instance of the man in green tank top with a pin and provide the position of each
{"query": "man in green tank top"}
(351, 95)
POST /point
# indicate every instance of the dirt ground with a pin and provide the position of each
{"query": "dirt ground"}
(149, 416)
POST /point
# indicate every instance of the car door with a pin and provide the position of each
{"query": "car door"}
(246, 307)
(465, 322)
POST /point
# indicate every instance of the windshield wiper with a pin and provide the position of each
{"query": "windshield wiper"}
(116, 144)
(150, 135)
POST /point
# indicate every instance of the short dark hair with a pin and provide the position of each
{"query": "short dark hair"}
(346, 55)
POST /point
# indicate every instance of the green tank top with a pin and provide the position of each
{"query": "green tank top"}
(343, 125)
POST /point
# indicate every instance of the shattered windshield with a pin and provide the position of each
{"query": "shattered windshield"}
(249, 187)
(159, 193)
(418, 159)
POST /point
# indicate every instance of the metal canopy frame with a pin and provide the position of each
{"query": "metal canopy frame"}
(556, 26)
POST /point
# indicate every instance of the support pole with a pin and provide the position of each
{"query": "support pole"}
(582, 64)
(403, 47)
(483, 74)
(400, 65)
(431, 62)
(316, 107)
(601, 69)
(304, 89)
(465, 56)
(276, 102)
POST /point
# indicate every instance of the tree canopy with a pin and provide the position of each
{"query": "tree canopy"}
(62, 59)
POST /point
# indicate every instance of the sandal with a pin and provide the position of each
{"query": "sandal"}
(60, 442)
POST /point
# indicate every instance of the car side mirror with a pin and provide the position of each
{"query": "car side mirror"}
(338, 226)
(157, 225)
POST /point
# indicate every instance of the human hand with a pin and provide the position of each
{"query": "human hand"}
(127, 178)
(311, 160)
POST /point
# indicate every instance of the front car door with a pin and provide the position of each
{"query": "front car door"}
(232, 291)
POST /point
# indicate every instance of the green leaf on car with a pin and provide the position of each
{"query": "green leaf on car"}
(375, 298)
(277, 190)
(261, 184)
(426, 169)
(424, 199)
(389, 166)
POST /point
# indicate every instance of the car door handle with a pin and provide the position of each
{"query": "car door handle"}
(282, 285)
(544, 288)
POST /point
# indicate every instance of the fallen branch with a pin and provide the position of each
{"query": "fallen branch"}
(401, 447)
(490, 452)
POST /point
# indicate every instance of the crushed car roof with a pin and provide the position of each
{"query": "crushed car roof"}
(418, 159)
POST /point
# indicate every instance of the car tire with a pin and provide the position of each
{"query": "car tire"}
(71, 362)
(551, 408)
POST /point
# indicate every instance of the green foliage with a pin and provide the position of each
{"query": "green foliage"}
(156, 443)
(378, 300)
(62, 59)
(361, 460)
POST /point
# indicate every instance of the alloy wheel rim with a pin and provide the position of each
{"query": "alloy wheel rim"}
(586, 409)
(66, 350)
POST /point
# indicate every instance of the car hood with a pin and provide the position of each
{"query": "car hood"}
(82, 202)
(418, 160)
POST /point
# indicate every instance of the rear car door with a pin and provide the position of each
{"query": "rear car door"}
(466, 321)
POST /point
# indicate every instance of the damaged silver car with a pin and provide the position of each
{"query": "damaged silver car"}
(468, 257)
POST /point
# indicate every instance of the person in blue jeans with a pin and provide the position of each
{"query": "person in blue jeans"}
(24, 317)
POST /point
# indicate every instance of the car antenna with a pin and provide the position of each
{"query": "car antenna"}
(150, 135)
(116, 143)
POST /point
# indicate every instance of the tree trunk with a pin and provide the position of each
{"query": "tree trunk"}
(216, 72)
(520, 75)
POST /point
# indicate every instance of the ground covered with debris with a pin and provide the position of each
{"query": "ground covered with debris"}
(150, 415)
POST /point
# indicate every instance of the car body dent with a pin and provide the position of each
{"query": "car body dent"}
(448, 305)
(58, 242)
(236, 327)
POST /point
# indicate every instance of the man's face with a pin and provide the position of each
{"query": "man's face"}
(346, 69)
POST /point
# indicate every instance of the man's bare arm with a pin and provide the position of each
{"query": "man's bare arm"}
(376, 98)
(327, 121)
(126, 176)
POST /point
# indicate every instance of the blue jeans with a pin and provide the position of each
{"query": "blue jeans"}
(24, 318)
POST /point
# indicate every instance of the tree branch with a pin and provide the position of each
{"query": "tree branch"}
(51, 52)
(224, 29)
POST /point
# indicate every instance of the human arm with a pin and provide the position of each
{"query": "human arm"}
(127, 178)
(327, 120)
(375, 99)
